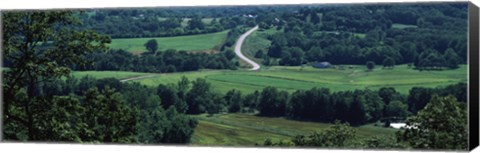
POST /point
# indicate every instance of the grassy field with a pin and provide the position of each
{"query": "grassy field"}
(293, 78)
(108, 74)
(184, 22)
(248, 130)
(199, 42)
(403, 26)
(257, 41)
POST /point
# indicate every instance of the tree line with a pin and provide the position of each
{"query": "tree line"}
(160, 62)
(358, 34)
(356, 107)
(429, 129)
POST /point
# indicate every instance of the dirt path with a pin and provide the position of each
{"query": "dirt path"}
(238, 47)
(139, 77)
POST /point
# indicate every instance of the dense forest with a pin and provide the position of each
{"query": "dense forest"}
(43, 101)
(332, 34)
(338, 34)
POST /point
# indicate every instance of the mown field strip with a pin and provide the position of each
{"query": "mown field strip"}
(198, 42)
(229, 128)
(294, 78)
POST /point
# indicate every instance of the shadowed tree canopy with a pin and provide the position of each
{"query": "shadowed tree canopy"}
(151, 45)
(442, 124)
(40, 46)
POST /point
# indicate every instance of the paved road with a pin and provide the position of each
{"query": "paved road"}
(238, 47)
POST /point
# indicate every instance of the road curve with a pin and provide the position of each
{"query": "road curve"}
(238, 47)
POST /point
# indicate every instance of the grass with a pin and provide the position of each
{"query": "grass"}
(403, 26)
(292, 78)
(108, 74)
(200, 42)
(248, 130)
(257, 41)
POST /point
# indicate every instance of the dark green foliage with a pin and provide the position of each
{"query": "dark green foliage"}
(388, 62)
(451, 58)
(272, 102)
(170, 98)
(259, 54)
(250, 101)
(107, 117)
(292, 56)
(370, 65)
(161, 62)
(180, 129)
(33, 62)
(152, 46)
(234, 101)
(358, 34)
(357, 112)
(201, 99)
(397, 109)
(442, 124)
(314, 104)
(418, 98)
(336, 136)
(196, 23)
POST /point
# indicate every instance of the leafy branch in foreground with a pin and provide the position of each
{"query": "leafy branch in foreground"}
(442, 124)
(40, 46)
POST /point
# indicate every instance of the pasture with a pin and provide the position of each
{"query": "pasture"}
(403, 26)
(248, 130)
(293, 78)
(108, 74)
(200, 42)
(257, 41)
(184, 22)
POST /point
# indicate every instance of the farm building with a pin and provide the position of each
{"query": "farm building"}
(322, 65)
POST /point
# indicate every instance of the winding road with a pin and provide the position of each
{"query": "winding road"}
(238, 52)
(238, 47)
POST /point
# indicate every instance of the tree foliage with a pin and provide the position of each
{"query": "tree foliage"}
(442, 124)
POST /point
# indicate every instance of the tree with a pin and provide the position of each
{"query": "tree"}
(107, 117)
(259, 54)
(451, 58)
(180, 129)
(338, 135)
(442, 124)
(418, 98)
(40, 47)
(235, 101)
(397, 109)
(388, 62)
(370, 65)
(357, 112)
(196, 23)
(272, 102)
(292, 56)
(152, 46)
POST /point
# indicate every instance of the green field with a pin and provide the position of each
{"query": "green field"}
(403, 26)
(199, 42)
(257, 41)
(293, 78)
(184, 22)
(108, 74)
(247, 130)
